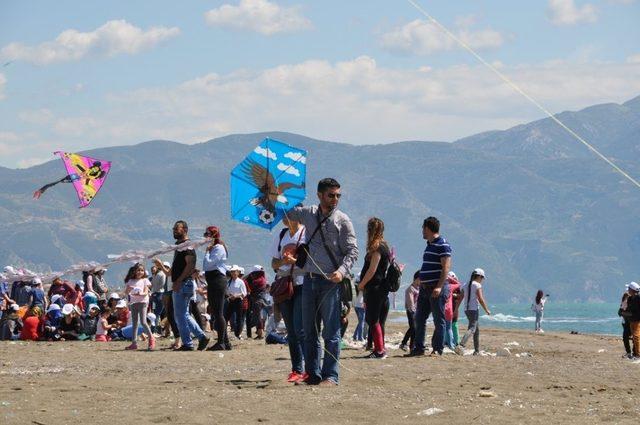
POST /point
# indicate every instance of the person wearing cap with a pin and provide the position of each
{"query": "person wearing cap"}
(184, 289)
(236, 293)
(99, 285)
(434, 288)
(90, 320)
(623, 312)
(633, 314)
(36, 294)
(214, 268)
(158, 284)
(410, 300)
(11, 324)
(52, 322)
(71, 324)
(472, 299)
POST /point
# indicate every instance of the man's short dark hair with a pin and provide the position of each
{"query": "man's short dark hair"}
(328, 183)
(432, 224)
(183, 223)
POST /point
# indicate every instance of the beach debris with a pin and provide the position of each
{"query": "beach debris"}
(507, 403)
(602, 350)
(503, 352)
(220, 355)
(487, 394)
(524, 355)
(530, 373)
(430, 411)
(512, 344)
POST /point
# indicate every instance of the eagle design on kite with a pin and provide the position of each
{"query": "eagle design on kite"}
(270, 193)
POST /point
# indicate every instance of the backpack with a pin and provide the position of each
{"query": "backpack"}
(393, 277)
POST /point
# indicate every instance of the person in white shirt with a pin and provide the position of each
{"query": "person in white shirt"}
(215, 273)
(283, 251)
(236, 293)
(472, 300)
(138, 287)
(538, 309)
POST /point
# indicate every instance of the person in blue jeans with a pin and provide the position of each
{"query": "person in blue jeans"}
(184, 289)
(358, 333)
(434, 290)
(332, 251)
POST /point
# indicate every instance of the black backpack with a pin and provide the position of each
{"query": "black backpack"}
(394, 276)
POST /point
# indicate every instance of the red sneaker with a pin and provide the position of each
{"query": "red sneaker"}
(133, 346)
(294, 376)
(302, 377)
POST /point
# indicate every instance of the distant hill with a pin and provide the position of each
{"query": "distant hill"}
(530, 204)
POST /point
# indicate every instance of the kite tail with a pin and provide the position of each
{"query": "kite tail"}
(38, 193)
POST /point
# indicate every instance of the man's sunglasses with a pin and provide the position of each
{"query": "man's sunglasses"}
(334, 195)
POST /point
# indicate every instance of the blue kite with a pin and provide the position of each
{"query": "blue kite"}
(267, 183)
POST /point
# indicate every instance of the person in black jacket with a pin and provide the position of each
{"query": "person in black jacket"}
(626, 324)
(632, 313)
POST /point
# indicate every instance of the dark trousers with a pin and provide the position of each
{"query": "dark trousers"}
(168, 303)
(408, 336)
(382, 319)
(626, 336)
(427, 305)
(216, 294)
(235, 316)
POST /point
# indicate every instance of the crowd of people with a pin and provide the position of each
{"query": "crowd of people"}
(312, 258)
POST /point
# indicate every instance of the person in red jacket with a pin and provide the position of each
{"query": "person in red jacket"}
(64, 288)
(454, 285)
(32, 325)
(256, 282)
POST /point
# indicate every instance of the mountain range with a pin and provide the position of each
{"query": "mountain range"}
(531, 205)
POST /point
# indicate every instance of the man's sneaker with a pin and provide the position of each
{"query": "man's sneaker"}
(403, 347)
(627, 356)
(185, 348)
(328, 383)
(375, 355)
(203, 342)
(476, 353)
(459, 350)
(435, 353)
(133, 346)
(217, 347)
(414, 353)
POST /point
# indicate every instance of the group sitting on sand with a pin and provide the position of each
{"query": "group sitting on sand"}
(312, 258)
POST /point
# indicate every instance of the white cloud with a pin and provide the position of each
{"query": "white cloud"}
(566, 12)
(3, 82)
(37, 117)
(296, 157)
(423, 37)
(626, 2)
(267, 153)
(634, 58)
(112, 38)
(356, 101)
(261, 16)
(289, 169)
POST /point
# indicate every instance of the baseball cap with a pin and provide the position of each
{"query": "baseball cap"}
(634, 286)
(15, 307)
(55, 298)
(53, 307)
(121, 304)
(67, 309)
(256, 268)
(93, 306)
(114, 296)
(479, 272)
(453, 275)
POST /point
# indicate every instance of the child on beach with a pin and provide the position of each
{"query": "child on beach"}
(633, 314)
(410, 302)
(104, 326)
(137, 287)
(454, 285)
(538, 309)
(32, 325)
(472, 300)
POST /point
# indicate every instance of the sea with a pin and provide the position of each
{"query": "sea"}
(588, 318)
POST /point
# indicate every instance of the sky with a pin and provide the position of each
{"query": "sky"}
(76, 75)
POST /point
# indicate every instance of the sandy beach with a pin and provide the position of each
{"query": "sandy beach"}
(564, 378)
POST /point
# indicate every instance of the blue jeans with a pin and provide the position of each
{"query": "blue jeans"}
(428, 305)
(292, 314)
(448, 335)
(157, 307)
(358, 334)
(186, 323)
(321, 296)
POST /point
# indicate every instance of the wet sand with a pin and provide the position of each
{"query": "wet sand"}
(568, 379)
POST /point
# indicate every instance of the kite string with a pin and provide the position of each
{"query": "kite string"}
(517, 88)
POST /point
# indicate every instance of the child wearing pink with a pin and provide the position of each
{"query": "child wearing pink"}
(454, 285)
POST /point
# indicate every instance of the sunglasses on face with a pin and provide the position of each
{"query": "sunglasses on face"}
(334, 195)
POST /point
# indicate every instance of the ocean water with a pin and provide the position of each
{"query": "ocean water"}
(599, 318)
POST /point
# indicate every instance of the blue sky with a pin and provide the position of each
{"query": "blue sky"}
(84, 74)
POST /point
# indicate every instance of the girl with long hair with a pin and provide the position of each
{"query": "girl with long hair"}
(137, 287)
(538, 309)
(472, 300)
(373, 283)
(215, 274)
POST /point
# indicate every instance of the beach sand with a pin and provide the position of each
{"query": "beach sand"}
(569, 379)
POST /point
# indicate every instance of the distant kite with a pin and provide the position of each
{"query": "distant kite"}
(87, 175)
